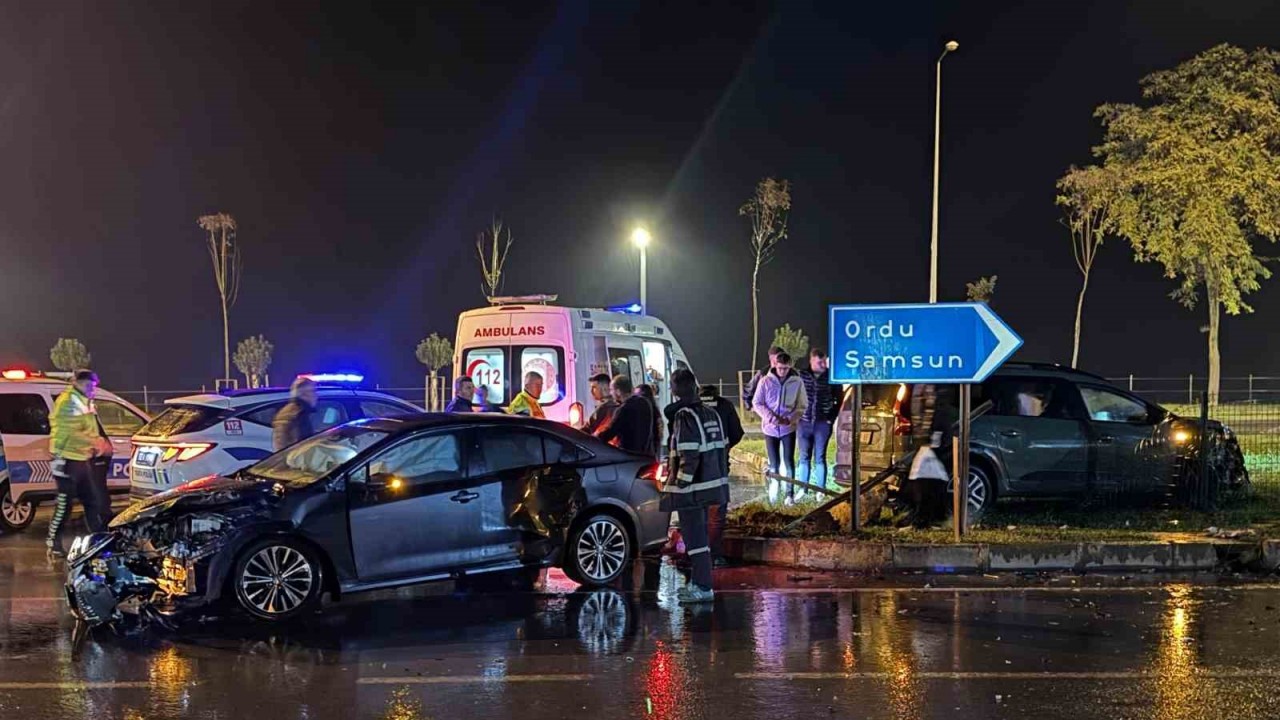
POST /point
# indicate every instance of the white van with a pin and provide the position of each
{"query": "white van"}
(26, 399)
(497, 345)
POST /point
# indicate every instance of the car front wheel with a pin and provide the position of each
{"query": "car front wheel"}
(599, 551)
(15, 516)
(277, 579)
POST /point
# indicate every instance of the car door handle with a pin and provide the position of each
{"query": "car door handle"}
(1105, 440)
(1011, 433)
(464, 497)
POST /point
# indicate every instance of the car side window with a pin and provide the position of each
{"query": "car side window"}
(380, 409)
(509, 448)
(423, 460)
(265, 414)
(23, 414)
(563, 451)
(1030, 398)
(1108, 406)
(328, 413)
(118, 420)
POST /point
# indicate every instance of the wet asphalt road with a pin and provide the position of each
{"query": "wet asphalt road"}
(774, 645)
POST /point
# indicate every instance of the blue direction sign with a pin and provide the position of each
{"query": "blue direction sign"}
(941, 343)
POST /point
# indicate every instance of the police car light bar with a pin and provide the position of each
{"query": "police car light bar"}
(335, 378)
(15, 374)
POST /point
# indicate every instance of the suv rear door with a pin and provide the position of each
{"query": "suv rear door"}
(1040, 428)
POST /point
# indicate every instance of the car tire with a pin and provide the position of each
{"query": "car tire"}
(982, 491)
(278, 579)
(599, 551)
(15, 517)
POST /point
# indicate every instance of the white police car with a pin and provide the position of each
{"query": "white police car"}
(26, 399)
(202, 435)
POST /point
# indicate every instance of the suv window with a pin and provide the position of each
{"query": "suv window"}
(180, 419)
(382, 409)
(1109, 406)
(265, 414)
(1031, 397)
(23, 414)
(118, 420)
(328, 414)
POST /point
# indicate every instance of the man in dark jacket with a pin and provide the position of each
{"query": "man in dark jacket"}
(818, 419)
(293, 423)
(697, 478)
(732, 424)
(605, 405)
(633, 423)
(464, 391)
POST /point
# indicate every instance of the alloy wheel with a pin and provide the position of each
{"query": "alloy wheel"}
(277, 579)
(978, 492)
(601, 550)
(15, 514)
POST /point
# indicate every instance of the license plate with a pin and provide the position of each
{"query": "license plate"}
(146, 476)
(147, 458)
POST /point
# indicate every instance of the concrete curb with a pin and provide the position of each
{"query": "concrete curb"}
(835, 554)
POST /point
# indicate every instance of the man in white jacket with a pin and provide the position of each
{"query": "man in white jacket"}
(780, 401)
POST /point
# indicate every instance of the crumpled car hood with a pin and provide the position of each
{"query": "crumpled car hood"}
(212, 491)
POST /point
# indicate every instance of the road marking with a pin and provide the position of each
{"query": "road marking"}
(470, 679)
(936, 675)
(87, 685)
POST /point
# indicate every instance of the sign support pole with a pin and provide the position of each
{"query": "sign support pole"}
(960, 465)
(855, 484)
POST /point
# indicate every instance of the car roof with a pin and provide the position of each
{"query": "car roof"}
(245, 398)
(1043, 369)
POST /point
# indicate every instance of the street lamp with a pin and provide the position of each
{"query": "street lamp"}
(950, 47)
(640, 238)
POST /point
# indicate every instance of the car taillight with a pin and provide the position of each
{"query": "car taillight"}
(655, 473)
(575, 415)
(183, 452)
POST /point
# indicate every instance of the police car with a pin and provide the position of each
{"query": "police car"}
(217, 434)
(26, 399)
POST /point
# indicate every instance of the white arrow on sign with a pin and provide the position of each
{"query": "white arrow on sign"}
(1007, 341)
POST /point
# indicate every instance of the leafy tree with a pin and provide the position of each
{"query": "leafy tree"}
(1085, 196)
(768, 209)
(981, 290)
(69, 354)
(494, 258)
(253, 358)
(435, 352)
(794, 342)
(1201, 177)
(224, 251)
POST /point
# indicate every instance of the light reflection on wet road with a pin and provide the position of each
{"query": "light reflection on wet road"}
(771, 647)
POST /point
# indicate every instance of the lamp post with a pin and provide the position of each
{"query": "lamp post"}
(951, 46)
(640, 237)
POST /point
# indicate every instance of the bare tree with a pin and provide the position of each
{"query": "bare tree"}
(493, 257)
(1085, 196)
(224, 251)
(768, 209)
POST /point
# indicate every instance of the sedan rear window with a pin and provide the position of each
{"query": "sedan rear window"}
(182, 419)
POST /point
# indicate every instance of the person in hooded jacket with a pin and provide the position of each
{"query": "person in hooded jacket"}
(780, 401)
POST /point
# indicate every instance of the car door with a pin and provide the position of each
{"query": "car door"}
(522, 472)
(1123, 430)
(24, 427)
(414, 508)
(1041, 432)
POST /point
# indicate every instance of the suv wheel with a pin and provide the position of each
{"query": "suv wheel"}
(982, 491)
(277, 579)
(599, 551)
(15, 517)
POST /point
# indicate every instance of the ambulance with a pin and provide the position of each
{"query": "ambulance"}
(498, 344)
(26, 399)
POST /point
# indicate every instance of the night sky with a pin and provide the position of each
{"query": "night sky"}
(361, 152)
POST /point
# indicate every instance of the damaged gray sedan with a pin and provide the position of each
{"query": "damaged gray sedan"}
(369, 505)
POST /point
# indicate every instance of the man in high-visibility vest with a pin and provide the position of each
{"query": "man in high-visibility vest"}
(526, 402)
(76, 441)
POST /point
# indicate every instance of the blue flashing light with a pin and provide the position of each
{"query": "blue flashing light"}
(632, 309)
(335, 378)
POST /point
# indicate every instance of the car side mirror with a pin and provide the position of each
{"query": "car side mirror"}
(378, 481)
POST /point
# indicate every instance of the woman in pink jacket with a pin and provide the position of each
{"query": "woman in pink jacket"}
(780, 400)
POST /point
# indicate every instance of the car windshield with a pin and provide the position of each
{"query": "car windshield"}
(316, 456)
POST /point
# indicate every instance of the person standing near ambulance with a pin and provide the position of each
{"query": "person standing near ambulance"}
(526, 401)
(80, 450)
